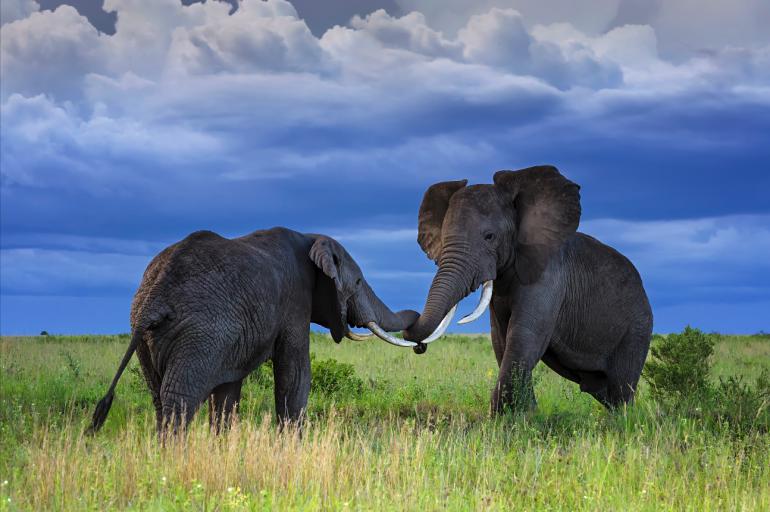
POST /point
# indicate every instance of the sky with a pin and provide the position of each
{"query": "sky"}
(127, 125)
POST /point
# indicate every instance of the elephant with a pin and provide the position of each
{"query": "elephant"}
(554, 294)
(210, 310)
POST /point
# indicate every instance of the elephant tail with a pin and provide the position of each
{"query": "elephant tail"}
(103, 407)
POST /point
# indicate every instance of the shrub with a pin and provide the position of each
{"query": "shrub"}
(680, 366)
(679, 375)
(263, 376)
(328, 376)
(741, 405)
(331, 377)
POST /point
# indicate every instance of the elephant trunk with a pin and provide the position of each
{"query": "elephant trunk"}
(367, 310)
(388, 320)
(454, 280)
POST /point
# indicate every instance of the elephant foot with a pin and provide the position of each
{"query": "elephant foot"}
(420, 348)
(512, 401)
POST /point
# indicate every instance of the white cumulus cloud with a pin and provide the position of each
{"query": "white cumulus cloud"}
(50, 52)
(260, 37)
(255, 94)
(12, 10)
(409, 32)
(684, 28)
(71, 150)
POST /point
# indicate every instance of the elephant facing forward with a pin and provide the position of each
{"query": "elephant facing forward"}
(554, 294)
(210, 310)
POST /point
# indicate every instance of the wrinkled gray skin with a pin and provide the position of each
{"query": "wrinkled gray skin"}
(210, 310)
(559, 296)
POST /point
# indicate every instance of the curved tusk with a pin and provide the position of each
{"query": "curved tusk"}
(442, 327)
(486, 296)
(386, 336)
(357, 337)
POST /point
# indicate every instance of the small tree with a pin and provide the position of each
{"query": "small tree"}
(680, 366)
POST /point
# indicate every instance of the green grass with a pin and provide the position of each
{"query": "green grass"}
(416, 434)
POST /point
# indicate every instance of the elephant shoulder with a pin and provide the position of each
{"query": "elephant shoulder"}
(600, 255)
(589, 247)
(580, 240)
(276, 246)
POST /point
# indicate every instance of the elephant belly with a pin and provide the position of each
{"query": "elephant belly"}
(571, 360)
(588, 376)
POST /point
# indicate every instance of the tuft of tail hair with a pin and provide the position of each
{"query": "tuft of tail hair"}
(103, 407)
(100, 413)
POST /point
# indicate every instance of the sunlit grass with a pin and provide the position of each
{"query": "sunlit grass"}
(417, 437)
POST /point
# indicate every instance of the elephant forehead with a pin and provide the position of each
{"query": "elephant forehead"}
(475, 202)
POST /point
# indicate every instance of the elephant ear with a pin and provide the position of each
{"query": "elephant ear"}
(329, 301)
(432, 210)
(547, 212)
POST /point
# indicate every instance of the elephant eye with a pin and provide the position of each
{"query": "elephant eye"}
(489, 237)
(358, 282)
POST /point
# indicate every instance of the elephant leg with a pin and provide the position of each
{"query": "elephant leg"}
(291, 372)
(152, 378)
(223, 401)
(619, 393)
(523, 349)
(614, 394)
(531, 324)
(624, 366)
(183, 390)
(177, 412)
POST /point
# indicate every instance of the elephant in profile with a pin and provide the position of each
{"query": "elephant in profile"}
(210, 310)
(554, 294)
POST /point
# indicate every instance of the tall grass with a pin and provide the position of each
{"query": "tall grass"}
(415, 435)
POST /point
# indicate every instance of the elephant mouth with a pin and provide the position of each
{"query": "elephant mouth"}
(484, 300)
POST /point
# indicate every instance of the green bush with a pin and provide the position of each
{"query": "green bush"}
(263, 376)
(331, 377)
(328, 376)
(680, 365)
(741, 405)
(679, 375)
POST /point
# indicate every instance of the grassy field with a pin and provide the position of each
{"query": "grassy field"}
(395, 431)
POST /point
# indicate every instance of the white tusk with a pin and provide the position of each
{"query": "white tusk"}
(441, 327)
(357, 337)
(486, 296)
(385, 336)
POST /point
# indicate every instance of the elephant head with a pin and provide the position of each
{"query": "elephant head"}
(482, 233)
(343, 298)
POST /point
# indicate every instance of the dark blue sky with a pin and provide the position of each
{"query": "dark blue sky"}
(118, 141)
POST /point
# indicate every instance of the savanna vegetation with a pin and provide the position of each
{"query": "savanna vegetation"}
(389, 430)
